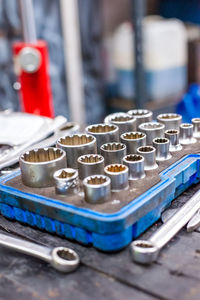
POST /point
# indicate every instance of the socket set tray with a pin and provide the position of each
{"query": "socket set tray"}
(107, 226)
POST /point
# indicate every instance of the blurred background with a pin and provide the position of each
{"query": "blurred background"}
(103, 56)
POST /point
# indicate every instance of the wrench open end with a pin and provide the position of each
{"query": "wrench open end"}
(144, 252)
(64, 259)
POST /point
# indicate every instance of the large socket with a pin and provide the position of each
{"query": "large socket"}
(90, 164)
(104, 133)
(118, 175)
(186, 134)
(133, 140)
(141, 115)
(135, 164)
(76, 145)
(170, 120)
(173, 136)
(38, 166)
(196, 128)
(66, 181)
(113, 153)
(149, 154)
(124, 121)
(162, 148)
(152, 131)
(97, 189)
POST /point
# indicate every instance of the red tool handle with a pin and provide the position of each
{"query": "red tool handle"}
(35, 92)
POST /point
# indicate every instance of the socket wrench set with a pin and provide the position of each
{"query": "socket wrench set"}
(106, 185)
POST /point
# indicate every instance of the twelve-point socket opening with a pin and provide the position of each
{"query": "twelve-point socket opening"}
(133, 158)
(42, 155)
(101, 128)
(151, 126)
(121, 118)
(168, 116)
(116, 168)
(133, 135)
(66, 174)
(90, 158)
(160, 141)
(146, 149)
(96, 180)
(139, 112)
(113, 146)
(172, 131)
(76, 140)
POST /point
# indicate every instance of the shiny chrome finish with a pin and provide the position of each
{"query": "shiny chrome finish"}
(152, 130)
(90, 164)
(70, 128)
(38, 166)
(162, 149)
(149, 154)
(124, 121)
(60, 258)
(76, 145)
(118, 174)
(170, 120)
(173, 136)
(186, 134)
(113, 153)
(141, 115)
(104, 133)
(133, 140)
(97, 188)
(135, 163)
(196, 124)
(66, 181)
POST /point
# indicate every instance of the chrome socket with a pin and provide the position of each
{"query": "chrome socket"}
(76, 145)
(173, 136)
(162, 149)
(135, 163)
(133, 140)
(170, 120)
(90, 164)
(70, 128)
(113, 153)
(186, 134)
(152, 130)
(196, 124)
(141, 115)
(124, 121)
(149, 154)
(97, 189)
(118, 175)
(66, 181)
(38, 166)
(104, 133)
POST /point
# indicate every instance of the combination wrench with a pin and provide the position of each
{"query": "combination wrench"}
(146, 251)
(60, 258)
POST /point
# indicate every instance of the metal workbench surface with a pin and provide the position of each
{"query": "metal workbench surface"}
(176, 274)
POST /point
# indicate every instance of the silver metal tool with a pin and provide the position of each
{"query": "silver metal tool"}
(167, 214)
(113, 153)
(133, 140)
(76, 145)
(196, 124)
(152, 130)
(170, 120)
(38, 166)
(173, 136)
(149, 154)
(97, 188)
(146, 251)
(141, 115)
(162, 149)
(135, 164)
(60, 258)
(194, 222)
(66, 181)
(90, 164)
(118, 174)
(104, 133)
(186, 134)
(124, 121)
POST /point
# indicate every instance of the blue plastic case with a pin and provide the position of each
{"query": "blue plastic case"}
(107, 232)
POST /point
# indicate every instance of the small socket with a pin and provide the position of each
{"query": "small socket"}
(124, 121)
(66, 181)
(135, 163)
(133, 140)
(141, 115)
(162, 149)
(76, 145)
(173, 136)
(97, 189)
(170, 120)
(149, 154)
(104, 133)
(152, 130)
(113, 153)
(90, 164)
(118, 174)
(186, 134)
(196, 124)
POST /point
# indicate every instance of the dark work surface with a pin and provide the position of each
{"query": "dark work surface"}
(176, 274)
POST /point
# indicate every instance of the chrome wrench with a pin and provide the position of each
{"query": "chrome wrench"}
(146, 251)
(60, 258)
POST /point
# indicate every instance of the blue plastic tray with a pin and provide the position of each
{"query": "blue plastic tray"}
(108, 232)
